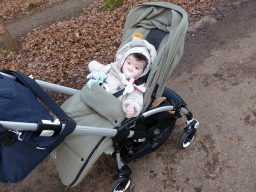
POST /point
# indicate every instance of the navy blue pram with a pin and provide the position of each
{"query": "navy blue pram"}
(21, 152)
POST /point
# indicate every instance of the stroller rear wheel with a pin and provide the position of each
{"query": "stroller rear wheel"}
(186, 139)
(120, 187)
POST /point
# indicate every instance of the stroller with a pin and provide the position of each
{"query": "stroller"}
(76, 143)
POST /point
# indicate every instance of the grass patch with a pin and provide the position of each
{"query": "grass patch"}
(5, 51)
(111, 4)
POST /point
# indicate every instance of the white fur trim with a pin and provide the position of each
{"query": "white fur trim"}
(143, 46)
(141, 50)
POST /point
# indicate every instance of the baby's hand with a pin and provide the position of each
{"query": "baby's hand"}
(130, 111)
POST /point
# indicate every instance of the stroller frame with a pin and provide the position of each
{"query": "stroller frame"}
(164, 25)
(122, 179)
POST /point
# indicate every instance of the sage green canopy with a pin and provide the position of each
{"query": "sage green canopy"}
(169, 18)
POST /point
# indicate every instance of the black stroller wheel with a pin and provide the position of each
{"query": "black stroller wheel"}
(186, 139)
(120, 187)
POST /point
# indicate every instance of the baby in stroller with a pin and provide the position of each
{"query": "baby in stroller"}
(124, 76)
(94, 119)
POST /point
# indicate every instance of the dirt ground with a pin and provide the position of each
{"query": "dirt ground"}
(216, 78)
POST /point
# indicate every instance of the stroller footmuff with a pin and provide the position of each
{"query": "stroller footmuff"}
(77, 154)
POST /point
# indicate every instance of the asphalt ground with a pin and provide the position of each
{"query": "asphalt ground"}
(216, 78)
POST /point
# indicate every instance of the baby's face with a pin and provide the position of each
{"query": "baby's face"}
(133, 66)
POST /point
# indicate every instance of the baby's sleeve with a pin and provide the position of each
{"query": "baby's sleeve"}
(95, 66)
(136, 100)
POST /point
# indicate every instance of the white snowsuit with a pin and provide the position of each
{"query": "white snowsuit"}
(116, 80)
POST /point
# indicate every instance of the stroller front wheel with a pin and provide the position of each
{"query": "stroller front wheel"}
(120, 187)
(186, 139)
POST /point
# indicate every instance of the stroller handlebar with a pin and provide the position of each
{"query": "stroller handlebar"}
(49, 86)
(80, 130)
(85, 130)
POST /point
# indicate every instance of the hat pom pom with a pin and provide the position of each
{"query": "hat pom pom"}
(139, 35)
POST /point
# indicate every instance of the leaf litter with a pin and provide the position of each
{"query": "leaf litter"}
(60, 53)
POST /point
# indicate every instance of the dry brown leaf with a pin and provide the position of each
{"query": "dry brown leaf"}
(61, 52)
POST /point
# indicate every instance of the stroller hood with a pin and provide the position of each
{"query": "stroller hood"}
(170, 19)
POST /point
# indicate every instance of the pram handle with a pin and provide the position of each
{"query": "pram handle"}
(49, 86)
(82, 130)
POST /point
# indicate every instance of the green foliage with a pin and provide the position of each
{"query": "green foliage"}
(5, 50)
(111, 4)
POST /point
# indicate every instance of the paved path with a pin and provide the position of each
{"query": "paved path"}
(216, 78)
